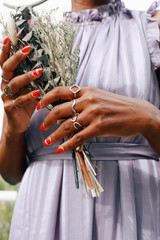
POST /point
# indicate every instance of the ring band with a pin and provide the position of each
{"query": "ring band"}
(15, 105)
(4, 80)
(7, 87)
(75, 123)
(73, 105)
(76, 91)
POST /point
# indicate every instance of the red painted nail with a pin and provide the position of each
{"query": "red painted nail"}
(38, 105)
(5, 40)
(26, 49)
(36, 93)
(37, 72)
(59, 150)
(47, 141)
(42, 127)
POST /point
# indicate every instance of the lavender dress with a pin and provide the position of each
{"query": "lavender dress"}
(119, 53)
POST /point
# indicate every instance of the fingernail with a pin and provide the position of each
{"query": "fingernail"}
(36, 93)
(38, 105)
(37, 72)
(5, 40)
(47, 141)
(42, 127)
(59, 150)
(26, 49)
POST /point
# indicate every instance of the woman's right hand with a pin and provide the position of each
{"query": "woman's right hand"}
(17, 119)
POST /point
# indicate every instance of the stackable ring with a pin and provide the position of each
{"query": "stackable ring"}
(73, 105)
(7, 87)
(4, 80)
(75, 123)
(76, 91)
(14, 104)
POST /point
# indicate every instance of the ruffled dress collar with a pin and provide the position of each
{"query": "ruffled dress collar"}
(98, 14)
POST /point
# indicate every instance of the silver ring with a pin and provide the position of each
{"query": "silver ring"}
(14, 104)
(7, 87)
(75, 123)
(4, 80)
(76, 91)
(73, 105)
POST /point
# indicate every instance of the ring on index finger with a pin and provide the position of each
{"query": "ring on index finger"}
(78, 88)
(8, 90)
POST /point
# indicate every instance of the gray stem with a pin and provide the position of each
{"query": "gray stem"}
(29, 5)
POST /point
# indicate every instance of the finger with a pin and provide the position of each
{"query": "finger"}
(20, 81)
(77, 140)
(5, 50)
(61, 111)
(57, 94)
(67, 128)
(11, 63)
(21, 101)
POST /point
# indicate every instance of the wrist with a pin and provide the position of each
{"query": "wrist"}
(11, 133)
(152, 126)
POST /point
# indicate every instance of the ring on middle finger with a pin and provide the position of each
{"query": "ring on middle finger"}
(8, 90)
(73, 109)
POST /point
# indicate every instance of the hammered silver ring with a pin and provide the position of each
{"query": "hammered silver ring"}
(14, 104)
(7, 87)
(4, 80)
(75, 123)
(76, 91)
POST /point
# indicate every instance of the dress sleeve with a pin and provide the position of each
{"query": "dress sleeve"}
(153, 35)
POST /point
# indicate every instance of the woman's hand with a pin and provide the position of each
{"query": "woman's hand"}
(101, 113)
(19, 105)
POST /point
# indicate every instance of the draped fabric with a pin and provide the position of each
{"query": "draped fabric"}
(119, 52)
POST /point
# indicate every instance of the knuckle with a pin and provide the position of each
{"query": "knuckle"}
(19, 101)
(56, 110)
(66, 126)
(8, 107)
(57, 90)
(94, 110)
(78, 139)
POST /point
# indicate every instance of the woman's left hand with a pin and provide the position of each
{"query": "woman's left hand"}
(101, 114)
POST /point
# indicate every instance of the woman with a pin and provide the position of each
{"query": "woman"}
(118, 104)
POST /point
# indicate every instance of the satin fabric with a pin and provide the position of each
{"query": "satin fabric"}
(119, 53)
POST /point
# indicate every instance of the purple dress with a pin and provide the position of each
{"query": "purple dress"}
(119, 53)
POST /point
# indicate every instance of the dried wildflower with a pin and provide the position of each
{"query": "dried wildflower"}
(12, 31)
(51, 48)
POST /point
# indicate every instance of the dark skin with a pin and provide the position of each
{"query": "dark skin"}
(108, 114)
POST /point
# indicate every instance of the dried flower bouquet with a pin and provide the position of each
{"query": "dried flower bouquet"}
(51, 48)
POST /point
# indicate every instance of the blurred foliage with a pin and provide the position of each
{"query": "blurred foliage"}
(5, 219)
(6, 210)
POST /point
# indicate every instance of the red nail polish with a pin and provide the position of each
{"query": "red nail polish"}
(59, 150)
(26, 49)
(38, 105)
(5, 40)
(36, 93)
(37, 72)
(42, 127)
(47, 141)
